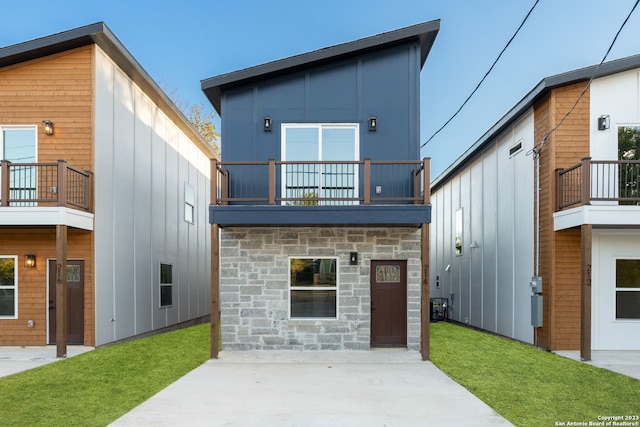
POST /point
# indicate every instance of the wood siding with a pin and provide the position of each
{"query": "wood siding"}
(57, 88)
(32, 283)
(560, 251)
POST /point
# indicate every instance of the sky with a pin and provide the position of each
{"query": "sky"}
(181, 42)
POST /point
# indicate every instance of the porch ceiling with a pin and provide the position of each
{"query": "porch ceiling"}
(597, 215)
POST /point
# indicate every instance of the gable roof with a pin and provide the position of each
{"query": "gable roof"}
(102, 36)
(530, 99)
(425, 33)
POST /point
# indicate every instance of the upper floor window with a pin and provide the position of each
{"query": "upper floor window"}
(18, 145)
(305, 180)
(189, 203)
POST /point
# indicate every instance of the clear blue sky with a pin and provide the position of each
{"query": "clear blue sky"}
(182, 42)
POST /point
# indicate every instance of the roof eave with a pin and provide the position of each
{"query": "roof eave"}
(424, 33)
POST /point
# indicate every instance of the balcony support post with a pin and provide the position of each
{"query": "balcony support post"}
(215, 288)
(585, 291)
(4, 182)
(585, 194)
(61, 290)
(425, 300)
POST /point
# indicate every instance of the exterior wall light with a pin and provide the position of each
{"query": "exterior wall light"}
(373, 123)
(30, 261)
(603, 122)
(266, 122)
(47, 127)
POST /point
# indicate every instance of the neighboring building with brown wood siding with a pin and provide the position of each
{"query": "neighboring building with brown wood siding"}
(580, 233)
(125, 209)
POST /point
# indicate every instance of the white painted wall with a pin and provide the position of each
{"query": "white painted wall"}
(607, 332)
(142, 161)
(490, 283)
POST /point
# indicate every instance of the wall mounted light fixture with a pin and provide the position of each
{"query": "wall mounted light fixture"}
(30, 261)
(47, 127)
(603, 122)
(373, 123)
(266, 122)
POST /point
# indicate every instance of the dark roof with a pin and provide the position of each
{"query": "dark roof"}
(425, 33)
(539, 91)
(102, 36)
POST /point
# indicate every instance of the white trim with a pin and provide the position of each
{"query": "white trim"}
(610, 215)
(14, 287)
(307, 288)
(50, 215)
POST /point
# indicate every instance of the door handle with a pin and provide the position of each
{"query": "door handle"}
(51, 306)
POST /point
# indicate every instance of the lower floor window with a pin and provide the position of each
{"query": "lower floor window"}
(628, 289)
(313, 288)
(8, 287)
(166, 285)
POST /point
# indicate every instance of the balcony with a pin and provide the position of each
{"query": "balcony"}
(598, 192)
(365, 192)
(45, 194)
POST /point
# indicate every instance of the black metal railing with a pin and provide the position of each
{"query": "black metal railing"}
(313, 183)
(44, 184)
(598, 180)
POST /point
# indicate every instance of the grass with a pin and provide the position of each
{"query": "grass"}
(528, 386)
(96, 388)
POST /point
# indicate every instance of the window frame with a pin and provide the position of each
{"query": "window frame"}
(618, 289)
(14, 287)
(189, 203)
(458, 234)
(162, 284)
(291, 288)
(319, 127)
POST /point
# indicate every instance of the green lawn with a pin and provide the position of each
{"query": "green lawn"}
(527, 386)
(96, 388)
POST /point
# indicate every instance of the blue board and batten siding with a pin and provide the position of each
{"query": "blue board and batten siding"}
(383, 84)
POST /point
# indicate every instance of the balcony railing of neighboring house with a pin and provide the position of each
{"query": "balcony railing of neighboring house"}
(599, 180)
(297, 183)
(44, 184)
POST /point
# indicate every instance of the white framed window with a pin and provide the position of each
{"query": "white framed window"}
(18, 144)
(8, 287)
(458, 238)
(310, 142)
(628, 289)
(189, 203)
(313, 288)
(166, 285)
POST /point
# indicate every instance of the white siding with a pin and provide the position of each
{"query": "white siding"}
(142, 161)
(490, 281)
(608, 333)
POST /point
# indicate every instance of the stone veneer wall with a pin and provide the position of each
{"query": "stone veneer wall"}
(254, 280)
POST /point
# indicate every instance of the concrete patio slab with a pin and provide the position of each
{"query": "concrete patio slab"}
(336, 388)
(623, 362)
(18, 359)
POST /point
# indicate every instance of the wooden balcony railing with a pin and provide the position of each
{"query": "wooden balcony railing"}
(320, 182)
(598, 180)
(44, 184)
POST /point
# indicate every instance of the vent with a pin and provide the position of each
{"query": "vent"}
(513, 150)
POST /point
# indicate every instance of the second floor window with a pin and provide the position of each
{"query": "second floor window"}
(304, 181)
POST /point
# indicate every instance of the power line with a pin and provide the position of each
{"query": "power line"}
(537, 149)
(485, 76)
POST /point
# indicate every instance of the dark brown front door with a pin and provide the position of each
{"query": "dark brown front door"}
(389, 303)
(75, 302)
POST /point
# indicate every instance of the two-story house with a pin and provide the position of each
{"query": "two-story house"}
(104, 191)
(320, 203)
(537, 224)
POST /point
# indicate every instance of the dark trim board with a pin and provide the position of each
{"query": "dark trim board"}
(358, 215)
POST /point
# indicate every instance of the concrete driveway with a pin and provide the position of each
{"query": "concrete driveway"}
(337, 388)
